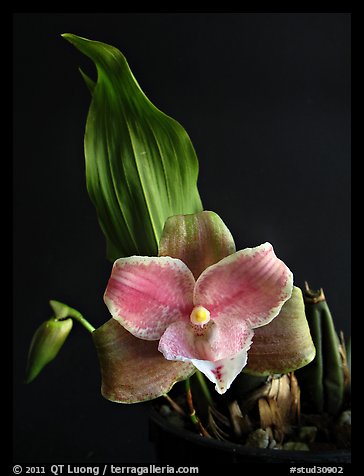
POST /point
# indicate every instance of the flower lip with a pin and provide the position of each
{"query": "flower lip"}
(200, 316)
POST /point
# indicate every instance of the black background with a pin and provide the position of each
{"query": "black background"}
(265, 98)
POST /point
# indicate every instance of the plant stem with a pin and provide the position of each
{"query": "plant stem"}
(81, 320)
(204, 387)
(63, 311)
(194, 418)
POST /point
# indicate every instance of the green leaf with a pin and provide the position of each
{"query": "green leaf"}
(141, 166)
(322, 382)
(310, 378)
(285, 344)
(348, 352)
(333, 370)
(90, 83)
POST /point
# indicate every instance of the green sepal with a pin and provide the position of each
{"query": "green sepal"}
(133, 370)
(285, 344)
(199, 240)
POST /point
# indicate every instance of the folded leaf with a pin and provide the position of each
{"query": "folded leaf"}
(285, 344)
(141, 166)
(132, 369)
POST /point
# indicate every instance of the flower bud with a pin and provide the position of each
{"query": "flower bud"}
(45, 345)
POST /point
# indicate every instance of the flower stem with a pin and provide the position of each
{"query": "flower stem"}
(62, 311)
(194, 418)
(205, 390)
(81, 320)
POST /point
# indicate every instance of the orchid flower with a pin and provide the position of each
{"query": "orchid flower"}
(208, 322)
(198, 305)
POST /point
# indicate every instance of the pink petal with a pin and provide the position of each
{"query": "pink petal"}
(250, 285)
(219, 340)
(146, 294)
(223, 372)
(133, 370)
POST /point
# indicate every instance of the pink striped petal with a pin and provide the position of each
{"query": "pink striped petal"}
(223, 372)
(250, 285)
(219, 340)
(146, 294)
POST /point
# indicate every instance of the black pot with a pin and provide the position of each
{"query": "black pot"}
(175, 445)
